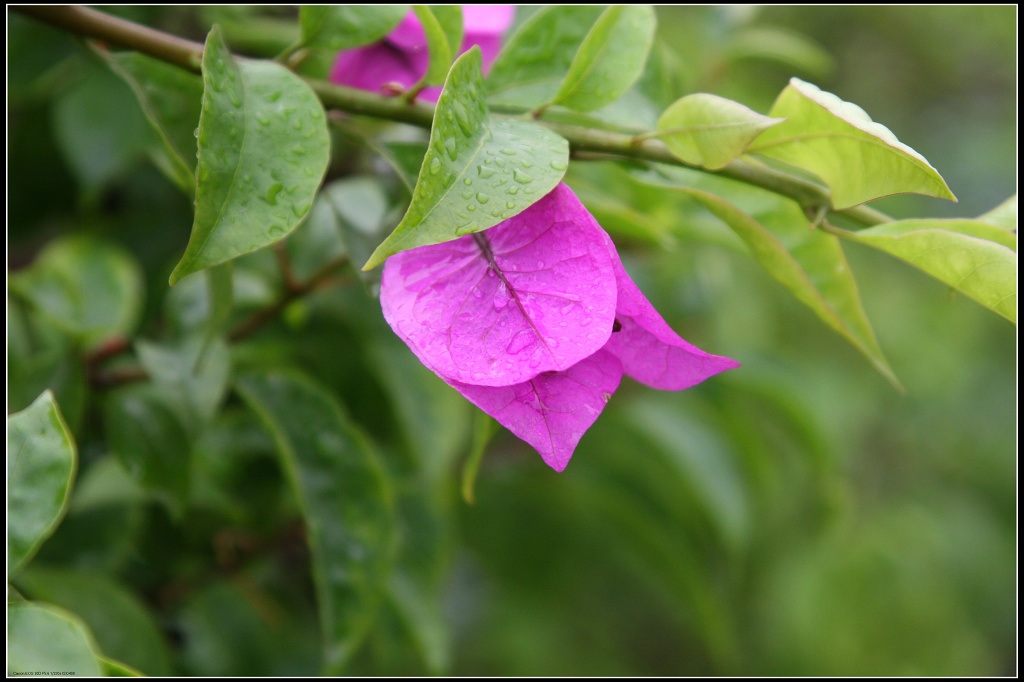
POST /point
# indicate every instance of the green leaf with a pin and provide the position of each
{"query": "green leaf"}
(100, 129)
(484, 429)
(982, 269)
(41, 462)
(789, 48)
(122, 626)
(145, 430)
(1004, 215)
(356, 208)
(442, 26)
(90, 289)
(344, 496)
(610, 59)
(172, 100)
(533, 63)
(263, 150)
(478, 171)
(111, 668)
(809, 263)
(342, 27)
(192, 375)
(220, 286)
(858, 159)
(44, 640)
(710, 131)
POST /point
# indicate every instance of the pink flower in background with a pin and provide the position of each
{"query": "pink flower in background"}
(402, 56)
(535, 321)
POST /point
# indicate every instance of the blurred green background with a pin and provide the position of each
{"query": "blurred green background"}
(794, 517)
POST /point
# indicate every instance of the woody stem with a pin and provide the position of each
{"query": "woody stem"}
(187, 55)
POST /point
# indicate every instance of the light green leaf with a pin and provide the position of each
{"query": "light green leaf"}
(1004, 215)
(858, 159)
(111, 668)
(172, 100)
(90, 289)
(263, 150)
(192, 376)
(356, 208)
(145, 430)
(41, 462)
(44, 640)
(810, 264)
(710, 131)
(984, 270)
(533, 63)
(478, 171)
(610, 59)
(442, 26)
(220, 286)
(342, 27)
(344, 496)
(122, 626)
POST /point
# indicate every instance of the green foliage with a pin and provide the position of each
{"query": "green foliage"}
(250, 474)
(610, 59)
(41, 461)
(857, 158)
(710, 131)
(343, 27)
(263, 150)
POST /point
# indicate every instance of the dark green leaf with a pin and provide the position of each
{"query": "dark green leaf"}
(858, 159)
(145, 431)
(610, 59)
(263, 149)
(710, 131)
(193, 376)
(344, 496)
(533, 63)
(478, 171)
(342, 27)
(44, 640)
(122, 626)
(100, 129)
(41, 462)
(956, 252)
(91, 289)
(172, 100)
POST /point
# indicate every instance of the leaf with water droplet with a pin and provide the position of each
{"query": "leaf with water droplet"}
(171, 99)
(427, 295)
(464, 159)
(610, 60)
(342, 27)
(233, 216)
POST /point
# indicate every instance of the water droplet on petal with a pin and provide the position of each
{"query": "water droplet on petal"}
(520, 341)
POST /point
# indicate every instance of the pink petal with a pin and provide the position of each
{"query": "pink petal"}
(370, 67)
(552, 411)
(649, 350)
(542, 300)
(487, 19)
(408, 35)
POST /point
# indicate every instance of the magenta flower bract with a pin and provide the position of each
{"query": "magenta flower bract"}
(402, 56)
(535, 321)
